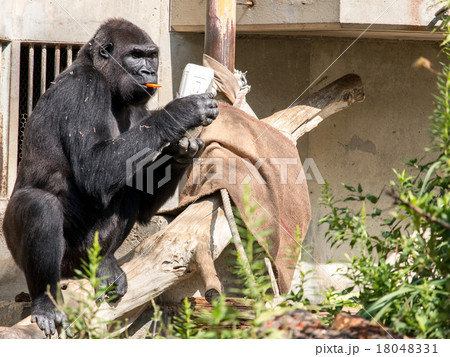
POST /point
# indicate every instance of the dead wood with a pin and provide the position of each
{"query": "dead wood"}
(305, 114)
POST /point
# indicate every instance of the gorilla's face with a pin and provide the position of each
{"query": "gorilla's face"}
(128, 58)
(141, 63)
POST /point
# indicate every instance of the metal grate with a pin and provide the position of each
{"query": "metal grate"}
(40, 64)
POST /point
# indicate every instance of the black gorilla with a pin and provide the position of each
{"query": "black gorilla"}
(72, 179)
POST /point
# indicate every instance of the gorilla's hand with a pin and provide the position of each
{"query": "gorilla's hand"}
(186, 149)
(193, 110)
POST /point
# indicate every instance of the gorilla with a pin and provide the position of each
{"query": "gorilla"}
(72, 180)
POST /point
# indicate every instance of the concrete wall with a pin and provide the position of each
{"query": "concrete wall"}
(408, 19)
(359, 145)
(364, 143)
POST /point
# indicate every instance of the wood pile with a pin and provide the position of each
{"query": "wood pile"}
(299, 324)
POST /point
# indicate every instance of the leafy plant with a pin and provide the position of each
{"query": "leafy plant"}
(82, 314)
(402, 274)
(183, 325)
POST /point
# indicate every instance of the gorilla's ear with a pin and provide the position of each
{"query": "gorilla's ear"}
(106, 49)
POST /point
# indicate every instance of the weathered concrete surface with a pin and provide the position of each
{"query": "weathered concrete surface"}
(398, 14)
(269, 62)
(364, 143)
(266, 15)
(70, 21)
(359, 145)
(346, 18)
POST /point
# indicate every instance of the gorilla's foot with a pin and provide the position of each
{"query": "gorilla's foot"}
(47, 318)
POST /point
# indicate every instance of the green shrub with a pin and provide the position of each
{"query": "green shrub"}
(402, 274)
(82, 315)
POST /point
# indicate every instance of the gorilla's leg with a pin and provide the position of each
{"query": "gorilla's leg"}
(112, 232)
(34, 226)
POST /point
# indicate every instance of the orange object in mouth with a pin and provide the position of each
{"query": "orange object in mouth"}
(152, 85)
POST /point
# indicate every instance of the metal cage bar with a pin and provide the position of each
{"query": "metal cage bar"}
(69, 55)
(43, 69)
(41, 64)
(57, 60)
(30, 79)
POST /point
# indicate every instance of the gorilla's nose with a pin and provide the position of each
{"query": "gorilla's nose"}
(148, 75)
(145, 72)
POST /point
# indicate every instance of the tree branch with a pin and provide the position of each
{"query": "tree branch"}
(419, 211)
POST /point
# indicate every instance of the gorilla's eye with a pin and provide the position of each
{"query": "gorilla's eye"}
(137, 54)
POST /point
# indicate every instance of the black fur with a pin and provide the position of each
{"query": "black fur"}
(71, 180)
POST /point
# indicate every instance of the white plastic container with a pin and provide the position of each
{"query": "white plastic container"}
(196, 80)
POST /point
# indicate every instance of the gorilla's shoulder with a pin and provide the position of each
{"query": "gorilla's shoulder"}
(76, 83)
(81, 74)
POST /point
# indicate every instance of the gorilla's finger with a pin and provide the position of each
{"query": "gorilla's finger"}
(44, 324)
(44, 327)
(61, 320)
(66, 328)
(183, 145)
(52, 327)
(193, 147)
(212, 113)
(200, 143)
(207, 121)
(213, 103)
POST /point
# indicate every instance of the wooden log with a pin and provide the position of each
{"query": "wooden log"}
(174, 253)
(305, 114)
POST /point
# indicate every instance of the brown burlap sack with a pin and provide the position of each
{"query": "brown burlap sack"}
(234, 156)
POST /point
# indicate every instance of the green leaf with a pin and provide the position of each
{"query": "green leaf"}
(350, 199)
(350, 188)
(427, 177)
(372, 198)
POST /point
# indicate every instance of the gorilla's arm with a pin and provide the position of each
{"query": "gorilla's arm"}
(97, 151)
(182, 154)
